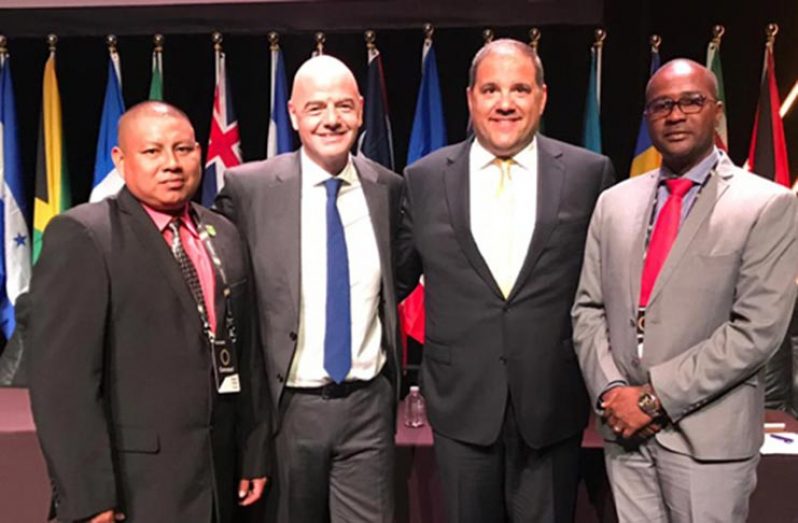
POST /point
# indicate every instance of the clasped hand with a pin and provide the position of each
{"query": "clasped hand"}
(623, 415)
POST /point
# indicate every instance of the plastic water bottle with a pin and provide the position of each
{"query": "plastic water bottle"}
(415, 410)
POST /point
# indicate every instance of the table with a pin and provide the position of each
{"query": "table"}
(25, 491)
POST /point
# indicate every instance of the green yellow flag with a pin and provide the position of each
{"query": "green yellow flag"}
(52, 180)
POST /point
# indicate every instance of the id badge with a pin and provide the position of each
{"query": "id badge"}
(225, 368)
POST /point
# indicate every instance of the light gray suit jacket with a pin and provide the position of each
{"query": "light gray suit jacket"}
(263, 200)
(718, 310)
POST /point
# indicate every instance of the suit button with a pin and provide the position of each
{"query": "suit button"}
(631, 322)
(503, 359)
(280, 378)
(292, 335)
(635, 362)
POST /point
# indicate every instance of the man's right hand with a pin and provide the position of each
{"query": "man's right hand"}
(109, 516)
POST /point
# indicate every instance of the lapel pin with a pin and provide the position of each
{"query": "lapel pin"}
(211, 230)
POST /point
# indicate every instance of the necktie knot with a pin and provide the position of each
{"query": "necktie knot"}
(174, 225)
(333, 185)
(505, 171)
(679, 186)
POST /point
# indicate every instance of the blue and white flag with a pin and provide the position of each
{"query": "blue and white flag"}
(107, 181)
(281, 136)
(15, 258)
(591, 130)
(376, 139)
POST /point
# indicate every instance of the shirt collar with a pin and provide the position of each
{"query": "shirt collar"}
(698, 173)
(162, 219)
(481, 157)
(313, 174)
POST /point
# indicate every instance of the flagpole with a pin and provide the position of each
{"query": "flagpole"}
(3, 50)
(600, 35)
(320, 38)
(487, 36)
(534, 38)
(788, 102)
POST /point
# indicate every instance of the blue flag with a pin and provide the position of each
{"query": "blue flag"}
(281, 136)
(429, 125)
(106, 180)
(591, 133)
(376, 141)
(646, 157)
(15, 257)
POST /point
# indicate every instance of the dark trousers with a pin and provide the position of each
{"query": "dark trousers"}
(508, 480)
(335, 457)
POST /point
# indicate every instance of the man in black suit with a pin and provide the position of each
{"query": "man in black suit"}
(497, 226)
(318, 223)
(144, 382)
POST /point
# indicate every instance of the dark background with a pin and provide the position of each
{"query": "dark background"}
(567, 33)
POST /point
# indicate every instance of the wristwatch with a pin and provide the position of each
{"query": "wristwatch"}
(649, 403)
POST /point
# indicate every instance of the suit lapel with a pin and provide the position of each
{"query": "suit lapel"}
(219, 302)
(551, 176)
(376, 195)
(701, 210)
(281, 203)
(455, 179)
(641, 218)
(154, 248)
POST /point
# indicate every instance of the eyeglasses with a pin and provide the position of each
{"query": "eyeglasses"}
(662, 107)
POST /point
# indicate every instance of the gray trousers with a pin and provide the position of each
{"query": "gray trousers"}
(652, 484)
(335, 457)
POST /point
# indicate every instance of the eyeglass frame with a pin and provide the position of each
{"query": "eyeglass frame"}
(678, 102)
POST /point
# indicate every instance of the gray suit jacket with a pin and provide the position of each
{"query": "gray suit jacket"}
(263, 200)
(718, 310)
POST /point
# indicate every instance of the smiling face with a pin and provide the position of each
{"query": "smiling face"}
(505, 101)
(158, 156)
(683, 139)
(326, 110)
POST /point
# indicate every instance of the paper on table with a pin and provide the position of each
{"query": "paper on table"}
(780, 443)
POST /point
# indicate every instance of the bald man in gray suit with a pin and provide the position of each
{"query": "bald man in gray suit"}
(673, 358)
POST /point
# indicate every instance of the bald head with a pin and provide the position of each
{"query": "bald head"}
(683, 67)
(147, 109)
(326, 110)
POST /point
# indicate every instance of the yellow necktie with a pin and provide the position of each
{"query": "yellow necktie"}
(502, 260)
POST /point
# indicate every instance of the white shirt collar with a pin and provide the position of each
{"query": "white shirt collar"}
(482, 158)
(313, 174)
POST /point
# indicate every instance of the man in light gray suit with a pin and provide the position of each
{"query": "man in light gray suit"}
(319, 224)
(687, 286)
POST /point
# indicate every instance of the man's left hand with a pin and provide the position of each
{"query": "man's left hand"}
(250, 490)
(622, 412)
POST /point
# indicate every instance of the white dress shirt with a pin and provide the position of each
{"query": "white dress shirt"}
(365, 277)
(497, 220)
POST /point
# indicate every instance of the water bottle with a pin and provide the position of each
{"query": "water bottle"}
(415, 410)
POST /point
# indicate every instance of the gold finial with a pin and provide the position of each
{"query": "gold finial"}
(771, 31)
(717, 34)
(534, 38)
(3, 45)
(487, 36)
(111, 42)
(429, 30)
(321, 38)
(217, 39)
(600, 35)
(655, 41)
(158, 41)
(274, 40)
(52, 40)
(371, 38)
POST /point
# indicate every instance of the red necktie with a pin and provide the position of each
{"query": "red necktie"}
(664, 234)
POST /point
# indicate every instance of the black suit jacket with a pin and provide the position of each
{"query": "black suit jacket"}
(480, 347)
(120, 372)
(263, 200)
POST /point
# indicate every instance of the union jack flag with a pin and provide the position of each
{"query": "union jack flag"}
(224, 144)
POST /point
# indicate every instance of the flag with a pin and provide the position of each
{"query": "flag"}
(106, 180)
(428, 134)
(224, 145)
(591, 132)
(376, 141)
(713, 64)
(281, 137)
(156, 82)
(768, 153)
(15, 265)
(52, 180)
(646, 157)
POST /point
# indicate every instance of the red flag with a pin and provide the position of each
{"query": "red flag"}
(768, 153)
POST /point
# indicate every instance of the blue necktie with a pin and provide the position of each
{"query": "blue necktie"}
(338, 331)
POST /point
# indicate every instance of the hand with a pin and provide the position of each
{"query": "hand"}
(649, 430)
(109, 516)
(622, 412)
(250, 490)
